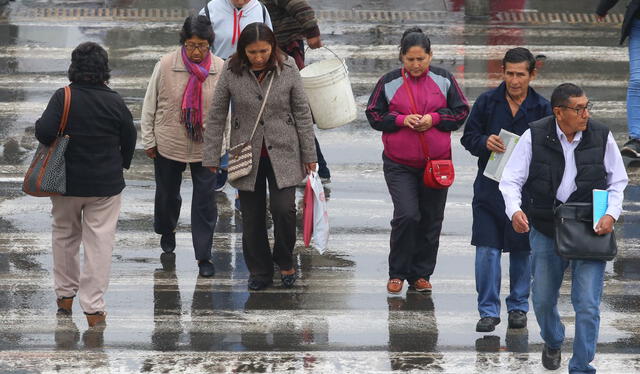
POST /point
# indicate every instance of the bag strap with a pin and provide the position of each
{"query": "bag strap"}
(65, 112)
(264, 102)
(412, 101)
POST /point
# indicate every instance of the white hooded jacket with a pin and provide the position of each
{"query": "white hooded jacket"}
(228, 22)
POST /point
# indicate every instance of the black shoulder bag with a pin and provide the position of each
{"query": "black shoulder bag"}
(575, 238)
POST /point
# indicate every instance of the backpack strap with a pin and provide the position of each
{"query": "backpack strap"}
(264, 13)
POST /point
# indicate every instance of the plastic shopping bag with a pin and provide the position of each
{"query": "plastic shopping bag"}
(307, 213)
(320, 214)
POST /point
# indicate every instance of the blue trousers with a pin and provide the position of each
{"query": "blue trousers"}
(488, 279)
(633, 91)
(587, 278)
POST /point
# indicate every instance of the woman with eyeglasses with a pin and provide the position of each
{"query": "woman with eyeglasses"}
(178, 98)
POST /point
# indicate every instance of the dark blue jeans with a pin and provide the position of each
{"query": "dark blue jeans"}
(488, 279)
(587, 279)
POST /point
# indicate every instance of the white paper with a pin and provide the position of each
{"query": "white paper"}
(497, 161)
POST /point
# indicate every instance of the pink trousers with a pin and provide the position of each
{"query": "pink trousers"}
(91, 221)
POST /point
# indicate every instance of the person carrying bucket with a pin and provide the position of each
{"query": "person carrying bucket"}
(293, 22)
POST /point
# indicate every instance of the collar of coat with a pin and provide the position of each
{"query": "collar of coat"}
(178, 64)
(532, 100)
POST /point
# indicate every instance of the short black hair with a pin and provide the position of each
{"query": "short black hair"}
(561, 94)
(89, 64)
(199, 26)
(414, 37)
(518, 55)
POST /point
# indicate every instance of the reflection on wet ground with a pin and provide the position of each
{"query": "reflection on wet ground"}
(164, 318)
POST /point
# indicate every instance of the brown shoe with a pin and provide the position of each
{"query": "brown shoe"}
(421, 285)
(394, 285)
(64, 306)
(96, 318)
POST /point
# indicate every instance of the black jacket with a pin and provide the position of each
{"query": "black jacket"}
(632, 12)
(103, 138)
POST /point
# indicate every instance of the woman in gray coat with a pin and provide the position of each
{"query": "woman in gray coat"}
(283, 147)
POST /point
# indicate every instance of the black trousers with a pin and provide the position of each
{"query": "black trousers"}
(255, 242)
(204, 212)
(418, 212)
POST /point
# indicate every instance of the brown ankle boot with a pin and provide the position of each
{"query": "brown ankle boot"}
(96, 318)
(64, 305)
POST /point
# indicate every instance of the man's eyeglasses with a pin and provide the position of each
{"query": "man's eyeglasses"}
(203, 47)
(580, 111)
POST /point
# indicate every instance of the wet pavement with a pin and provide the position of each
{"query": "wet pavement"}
(163, 318)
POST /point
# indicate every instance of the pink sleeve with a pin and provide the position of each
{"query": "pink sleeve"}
(435, 118)
(400, 119)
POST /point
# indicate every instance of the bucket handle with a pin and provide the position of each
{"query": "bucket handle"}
(335, 54)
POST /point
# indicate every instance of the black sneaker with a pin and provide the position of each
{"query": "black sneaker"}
(631, 148)
(206, 268)
(517, 319)
(168, 242)
(551, 358)
(487, 324)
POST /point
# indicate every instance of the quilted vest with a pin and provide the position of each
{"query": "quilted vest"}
(547, 168)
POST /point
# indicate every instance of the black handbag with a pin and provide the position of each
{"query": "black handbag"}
(575, 238)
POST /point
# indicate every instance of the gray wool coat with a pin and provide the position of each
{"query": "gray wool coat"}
(286, 126)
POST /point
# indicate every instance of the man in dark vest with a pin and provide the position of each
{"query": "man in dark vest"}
(563, 158)
(510, 106)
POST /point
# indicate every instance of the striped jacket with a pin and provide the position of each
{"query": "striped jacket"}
(437, 93)
(292, 20)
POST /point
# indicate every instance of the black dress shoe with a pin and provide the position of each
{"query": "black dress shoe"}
(257, 284)
(168, 242)
(206, 268)
(288, 279)
(551, 358)
(487, 324)
(517, 319)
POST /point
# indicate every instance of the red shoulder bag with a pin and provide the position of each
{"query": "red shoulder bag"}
(438, 174)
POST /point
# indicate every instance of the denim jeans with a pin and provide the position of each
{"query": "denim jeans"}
(633, 91)
(587, 278)
(489, 276)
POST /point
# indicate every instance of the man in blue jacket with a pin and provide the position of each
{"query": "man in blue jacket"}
(510, 106)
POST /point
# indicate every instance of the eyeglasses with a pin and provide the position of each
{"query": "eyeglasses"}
(202, 47)
(580, 111)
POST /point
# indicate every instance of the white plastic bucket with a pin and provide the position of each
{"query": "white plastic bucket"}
(328, 89)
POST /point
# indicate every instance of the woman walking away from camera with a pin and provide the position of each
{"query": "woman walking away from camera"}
(408, 103)
(283, 149)
(103, 139)
(177, 101)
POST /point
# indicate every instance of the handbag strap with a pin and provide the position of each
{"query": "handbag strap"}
(264, 102)
(65, 111)
(414, 108)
